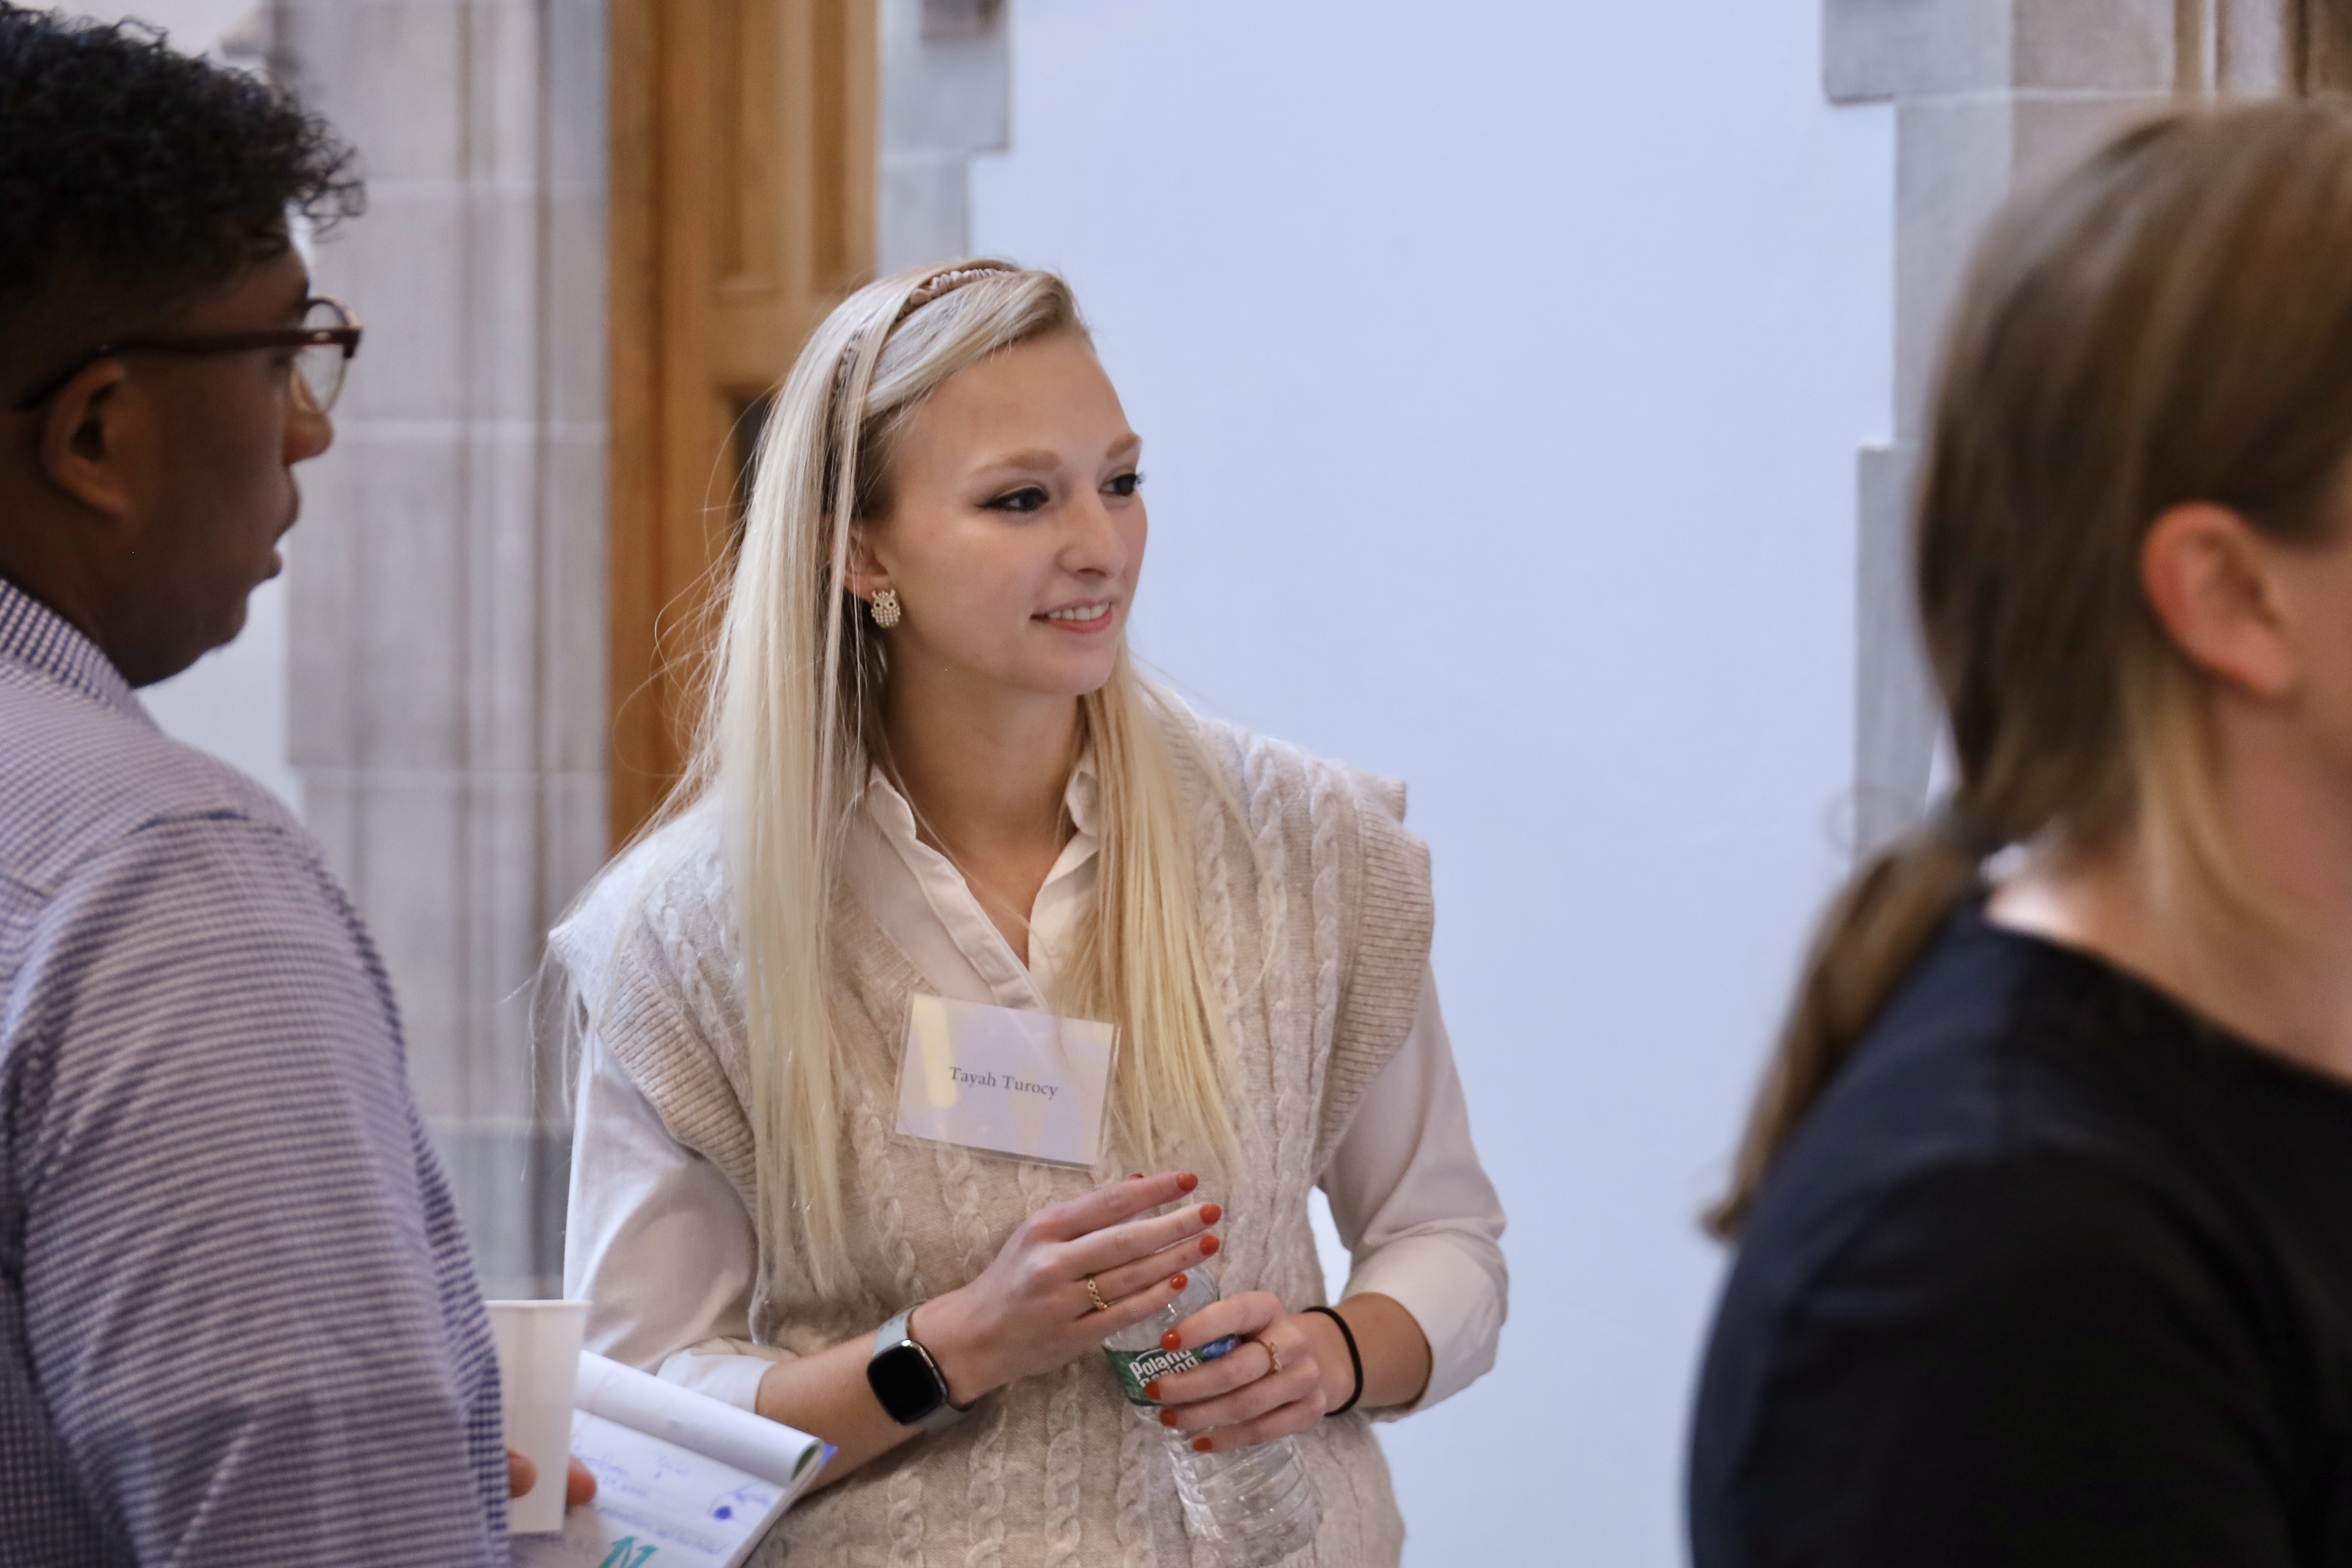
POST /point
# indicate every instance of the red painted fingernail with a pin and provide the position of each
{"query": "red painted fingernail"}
(1187, 1181)
(1208, 1246)
(1152, 1390)
(1168, 1418)
(1177, 1283)
(1136, 1177)
(1211, 1214)
(1201, 1445)
(1172, 1340)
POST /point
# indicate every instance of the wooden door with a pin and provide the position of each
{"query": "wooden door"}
(2324, 29)
(741, 189)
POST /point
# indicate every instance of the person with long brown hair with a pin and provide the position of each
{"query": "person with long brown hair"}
(2045, 1216)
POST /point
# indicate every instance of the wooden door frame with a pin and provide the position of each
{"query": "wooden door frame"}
(740, 185)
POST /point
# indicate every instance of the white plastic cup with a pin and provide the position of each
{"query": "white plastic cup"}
(539, 1368)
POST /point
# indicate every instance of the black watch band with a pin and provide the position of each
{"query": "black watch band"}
(912, 1390)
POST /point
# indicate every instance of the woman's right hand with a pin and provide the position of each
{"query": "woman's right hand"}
(1029, 1312)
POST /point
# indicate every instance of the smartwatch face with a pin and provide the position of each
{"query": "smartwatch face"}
(904, 1380)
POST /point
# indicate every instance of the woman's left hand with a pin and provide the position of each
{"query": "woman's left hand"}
(1273, 1383)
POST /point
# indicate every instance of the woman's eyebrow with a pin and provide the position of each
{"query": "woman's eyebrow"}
(1034, 457)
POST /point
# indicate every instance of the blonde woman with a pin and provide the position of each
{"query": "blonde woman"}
(2045, 1215)
(929, 769)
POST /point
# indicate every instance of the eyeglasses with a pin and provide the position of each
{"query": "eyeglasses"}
(323, 344)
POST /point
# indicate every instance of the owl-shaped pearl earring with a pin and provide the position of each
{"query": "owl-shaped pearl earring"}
(886, 607)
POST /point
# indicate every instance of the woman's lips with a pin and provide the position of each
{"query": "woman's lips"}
(1080, 620)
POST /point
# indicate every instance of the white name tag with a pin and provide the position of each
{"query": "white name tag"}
(1004, 1081)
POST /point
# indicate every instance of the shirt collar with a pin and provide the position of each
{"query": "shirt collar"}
(37, 638)
(1083, 796)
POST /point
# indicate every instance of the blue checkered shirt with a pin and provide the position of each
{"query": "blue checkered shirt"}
(238, 1322)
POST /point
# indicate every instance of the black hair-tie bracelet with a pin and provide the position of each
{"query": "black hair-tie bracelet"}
(1355, 1359)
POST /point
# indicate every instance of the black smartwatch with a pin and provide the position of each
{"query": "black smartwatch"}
(908, 1383)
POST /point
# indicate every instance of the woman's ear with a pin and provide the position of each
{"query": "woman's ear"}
(2213, 580)
(866, 572)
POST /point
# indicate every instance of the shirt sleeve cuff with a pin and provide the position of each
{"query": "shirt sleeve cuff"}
(1452, 1295)
(726, 1370)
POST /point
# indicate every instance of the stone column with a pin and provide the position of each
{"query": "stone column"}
(448, 648)
(1989, 94)
(447, 702)
(945, 94)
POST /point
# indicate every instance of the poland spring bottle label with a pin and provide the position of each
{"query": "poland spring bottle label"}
(1136, 1368)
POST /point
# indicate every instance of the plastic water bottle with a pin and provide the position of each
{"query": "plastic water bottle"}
(1256, 1505)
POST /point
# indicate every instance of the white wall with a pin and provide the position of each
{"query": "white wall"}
(194, 26)
(1501, 368)
(232, 702)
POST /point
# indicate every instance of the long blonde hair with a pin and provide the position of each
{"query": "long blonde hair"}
(2170, 322)
(789, 726)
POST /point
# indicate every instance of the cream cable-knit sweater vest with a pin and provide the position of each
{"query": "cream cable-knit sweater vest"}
(1321, 960)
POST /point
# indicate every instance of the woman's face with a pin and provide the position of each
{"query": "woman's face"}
(1015, 530)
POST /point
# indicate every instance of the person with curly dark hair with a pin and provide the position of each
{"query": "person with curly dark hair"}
(238, 1321)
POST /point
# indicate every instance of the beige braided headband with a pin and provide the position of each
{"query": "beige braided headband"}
(947, 282)
(935, 286)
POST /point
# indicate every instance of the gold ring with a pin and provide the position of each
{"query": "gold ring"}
(1271, 1356)
(1094, 1296)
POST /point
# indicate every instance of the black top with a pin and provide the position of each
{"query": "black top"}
(2054, 1273)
